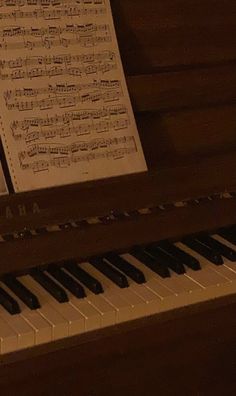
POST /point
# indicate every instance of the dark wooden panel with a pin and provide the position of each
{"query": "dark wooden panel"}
(200, 177)
(190, 133)
(118, 235)
(191, 353)
(169, 33)
(183, 89)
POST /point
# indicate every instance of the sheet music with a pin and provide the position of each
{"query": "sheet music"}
(65, 110)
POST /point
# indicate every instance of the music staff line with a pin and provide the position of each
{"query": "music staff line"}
(63, 88)
(62, 102)
(64, 132)
(68, 118)
(48, 43)
(50, 15)
(65, 162)
(86, 29)
(20, 74)
(67, 150)
(63, 59)
(49, 3)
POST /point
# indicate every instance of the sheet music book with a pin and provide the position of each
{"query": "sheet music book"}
(65, 115)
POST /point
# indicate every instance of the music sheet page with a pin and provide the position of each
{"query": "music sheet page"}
(65, 112)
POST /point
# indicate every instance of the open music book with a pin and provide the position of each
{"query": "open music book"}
(65, 113)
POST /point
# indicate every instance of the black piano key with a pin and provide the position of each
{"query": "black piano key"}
(123, 265)
(9, 303)
(48, 284)
(21, 291)
(179, 254)
(67, 281)
(150, 262)
(165, 259)
(222, 249)
(84, 277)
(228, 233)
(110, 272)
(205, 251)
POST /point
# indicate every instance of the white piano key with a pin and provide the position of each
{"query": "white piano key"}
(225, 270)
(122, 307)
(42, 329)
(8, 338)
(153, 280)
(229, 264)
(25, 333)
(181, 283)
(207, 276)
(91, 315)
(106, 310)
(151, 292)
(60, 326)
(203, 293)
(184, 293)
(146, 294)
(143, 300)
(76, 321)
(224, 241)
(178, 296)
(138, 305)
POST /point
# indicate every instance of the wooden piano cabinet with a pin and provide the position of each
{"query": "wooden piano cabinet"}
(180, 61)
(187, 352)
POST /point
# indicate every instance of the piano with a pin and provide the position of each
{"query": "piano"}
(128, 285)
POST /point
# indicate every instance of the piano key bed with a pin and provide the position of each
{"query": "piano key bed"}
(70, 298)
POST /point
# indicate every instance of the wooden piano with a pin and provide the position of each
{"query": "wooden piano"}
(180, 62)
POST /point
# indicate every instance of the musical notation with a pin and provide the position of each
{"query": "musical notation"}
(87, 29)
(50, 3)
(75, 147)
(87, 128)
(68, 118)
(89, 35)
(61, 83)
(49, 15)
(65, 101)
(77, 123)
(59, 59)
(65, 155)
(64, 162)
(81, 71)
(63, 88)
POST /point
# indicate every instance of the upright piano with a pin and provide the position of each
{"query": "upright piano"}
(144, 265)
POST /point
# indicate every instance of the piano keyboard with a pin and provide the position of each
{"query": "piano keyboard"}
(69, 299)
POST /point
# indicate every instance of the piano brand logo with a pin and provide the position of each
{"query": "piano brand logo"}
(21, 210)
